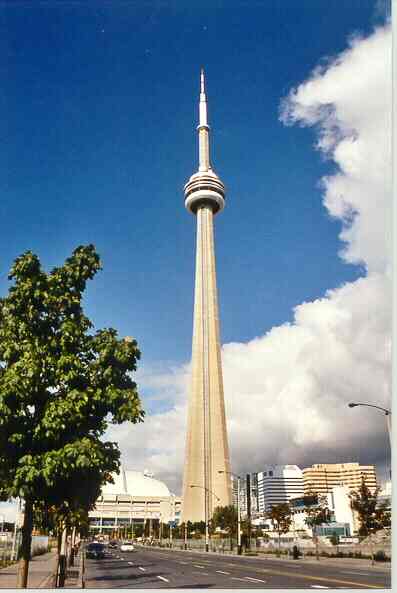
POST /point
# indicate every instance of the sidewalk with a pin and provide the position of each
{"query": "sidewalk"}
(41, 573)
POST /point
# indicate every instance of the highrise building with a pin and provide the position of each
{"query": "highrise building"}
(322, 477)
(253, 488)
(207, 451)
(278, 484)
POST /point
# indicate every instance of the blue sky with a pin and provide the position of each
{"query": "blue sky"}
(99, 137)
(100, 105)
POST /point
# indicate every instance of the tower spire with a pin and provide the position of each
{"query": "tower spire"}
(203, 128)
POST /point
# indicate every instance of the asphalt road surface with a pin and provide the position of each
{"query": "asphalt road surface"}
(161, 568)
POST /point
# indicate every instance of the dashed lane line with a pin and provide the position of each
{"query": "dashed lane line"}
(257, 580)
(163, 579)
(141, 568)
(307, 577)
(222, 572)
(319, 587)
(236, 579)
(180, 562)
(132, 564)
(198, 566)
(203, 573)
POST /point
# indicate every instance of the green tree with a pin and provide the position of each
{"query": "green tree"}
(61, 384)
(317, 513)
(281, 518)
(371, 515)
(225, 518)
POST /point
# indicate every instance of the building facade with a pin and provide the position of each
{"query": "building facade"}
(206, 475)
(278, 484)
(322, 477)
(247, 490)
(134, 498)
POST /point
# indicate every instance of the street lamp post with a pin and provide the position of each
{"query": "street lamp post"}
(238, 509)
(207, 542)
(185, 526)
(387, 415)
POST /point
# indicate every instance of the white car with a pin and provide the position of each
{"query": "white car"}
(127, 547)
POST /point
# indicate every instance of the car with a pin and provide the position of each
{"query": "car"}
(112, 544)
(95, 550)
(127, 547)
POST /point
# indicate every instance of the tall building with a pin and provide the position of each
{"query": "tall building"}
(278, 484)
(253, 487)
(207, 451)
(322, 477)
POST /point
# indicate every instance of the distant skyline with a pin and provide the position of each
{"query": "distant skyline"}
(98, 135)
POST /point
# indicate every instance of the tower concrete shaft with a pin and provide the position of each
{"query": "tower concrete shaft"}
(206, 480)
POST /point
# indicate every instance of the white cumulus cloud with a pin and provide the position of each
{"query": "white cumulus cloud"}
(287, 392)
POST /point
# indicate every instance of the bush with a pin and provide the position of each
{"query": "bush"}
(380, 556)
(295, 552)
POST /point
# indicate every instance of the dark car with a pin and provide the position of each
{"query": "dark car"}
(112, 544)
(95, 550)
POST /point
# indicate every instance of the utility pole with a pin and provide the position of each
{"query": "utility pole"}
(248, 511)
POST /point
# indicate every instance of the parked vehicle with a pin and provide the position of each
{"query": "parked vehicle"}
(112, 544)
(127, 547)
(95, 550)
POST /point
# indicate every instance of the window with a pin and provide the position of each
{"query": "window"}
(270, 473)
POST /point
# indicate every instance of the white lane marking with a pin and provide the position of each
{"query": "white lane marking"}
(197, 572)
(257, 580)
(180, 562)
(319, 587)
(222, 572)
(131, 563)
(121, 558)
(198, 566)
(364, 574)
(140, 568)
(236, 579)
(163, 579)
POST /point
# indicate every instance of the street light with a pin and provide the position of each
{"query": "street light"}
(207, 545)
(387, 414)
(220, 471)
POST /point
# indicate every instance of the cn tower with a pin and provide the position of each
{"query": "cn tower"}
(206, 478)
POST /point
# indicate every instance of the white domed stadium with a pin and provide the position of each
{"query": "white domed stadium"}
(134, 498)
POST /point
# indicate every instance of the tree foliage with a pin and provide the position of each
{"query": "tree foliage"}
(225, 518)
(281, 518)
(371, 515)
(61, 383)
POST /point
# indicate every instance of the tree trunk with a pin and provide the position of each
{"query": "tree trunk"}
(316, 541)
(62, 559)
(27, 528)
(59, 543)
(279, 545)
(72, 545)
(371, 545)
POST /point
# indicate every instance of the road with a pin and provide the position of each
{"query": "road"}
(161, 568)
